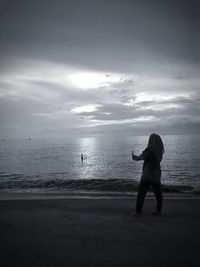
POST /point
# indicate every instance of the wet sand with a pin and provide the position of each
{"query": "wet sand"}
(98, 232)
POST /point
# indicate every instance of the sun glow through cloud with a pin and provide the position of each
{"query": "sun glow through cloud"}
(87, 108)
(89, 80)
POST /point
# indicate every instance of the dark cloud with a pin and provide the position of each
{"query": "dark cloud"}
(101, 34)
(153, 46)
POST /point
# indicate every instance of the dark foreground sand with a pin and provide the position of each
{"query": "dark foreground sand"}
(98, 232)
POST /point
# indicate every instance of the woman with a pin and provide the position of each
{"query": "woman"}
(151, 173)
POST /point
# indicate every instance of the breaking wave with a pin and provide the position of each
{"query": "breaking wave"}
(115, 185)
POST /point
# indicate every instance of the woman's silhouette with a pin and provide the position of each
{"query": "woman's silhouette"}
(151, 173)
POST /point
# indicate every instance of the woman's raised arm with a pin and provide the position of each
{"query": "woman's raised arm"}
(134, 157)
(141, 156)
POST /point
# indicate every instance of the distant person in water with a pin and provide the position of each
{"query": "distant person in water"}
(81, 157)
(151, 173)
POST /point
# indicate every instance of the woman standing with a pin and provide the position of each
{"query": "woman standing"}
(151, 173)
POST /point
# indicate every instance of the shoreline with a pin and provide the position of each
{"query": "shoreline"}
(83, 194)
(87, 185)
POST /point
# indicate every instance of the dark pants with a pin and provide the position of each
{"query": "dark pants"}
(143, 188)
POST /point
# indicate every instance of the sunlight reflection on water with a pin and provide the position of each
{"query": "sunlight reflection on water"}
(104, 158)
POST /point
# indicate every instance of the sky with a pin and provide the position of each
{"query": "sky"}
(94, 66)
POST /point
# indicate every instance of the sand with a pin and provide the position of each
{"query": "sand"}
(98, 232)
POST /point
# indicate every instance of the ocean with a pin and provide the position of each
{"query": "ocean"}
(54, 165)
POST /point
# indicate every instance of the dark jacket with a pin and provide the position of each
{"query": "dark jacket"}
(151, 170)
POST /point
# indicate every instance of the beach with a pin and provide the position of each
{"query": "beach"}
(62, 231)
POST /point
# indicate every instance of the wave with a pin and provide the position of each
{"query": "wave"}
(116, 185)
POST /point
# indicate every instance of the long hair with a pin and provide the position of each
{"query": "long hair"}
(155, 144)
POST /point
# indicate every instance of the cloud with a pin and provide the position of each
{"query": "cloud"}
(131, 36)
(127, 62)
(44, 97)
(166, 110)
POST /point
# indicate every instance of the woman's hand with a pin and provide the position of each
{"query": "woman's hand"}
(133, 156)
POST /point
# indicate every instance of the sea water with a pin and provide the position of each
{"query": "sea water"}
(38, 164)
